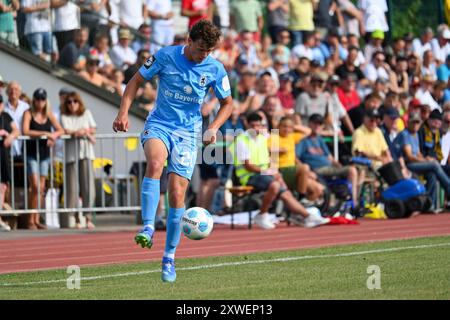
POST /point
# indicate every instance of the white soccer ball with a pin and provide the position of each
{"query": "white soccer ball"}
(196, 223)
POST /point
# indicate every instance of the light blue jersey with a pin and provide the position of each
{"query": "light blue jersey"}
(182, 87)
(176, 119)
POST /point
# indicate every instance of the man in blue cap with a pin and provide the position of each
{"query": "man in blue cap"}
(389, 128)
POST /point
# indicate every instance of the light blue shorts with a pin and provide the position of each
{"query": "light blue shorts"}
(41, 168)
(181, 146)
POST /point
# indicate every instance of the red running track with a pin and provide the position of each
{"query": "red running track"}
(100, 248)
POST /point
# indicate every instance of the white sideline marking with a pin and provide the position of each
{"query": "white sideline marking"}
(238, 263)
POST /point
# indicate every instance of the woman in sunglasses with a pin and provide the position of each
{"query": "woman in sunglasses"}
(78, 122)
(40, 124)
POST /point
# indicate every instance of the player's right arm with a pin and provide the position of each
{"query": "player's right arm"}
(152, 67)
(121, 121)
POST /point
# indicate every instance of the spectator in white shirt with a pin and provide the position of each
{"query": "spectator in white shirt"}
(428, 66)
(424, 95)
(441, 45)
(304, 49)
(222, 14)
(66, 21)
(374, 14)
(446, 137)
(424, 43)
(378, 68)
(132, 13)
(114, 17)
(121, 54)
(106, 65)
(248, 50)
(375, 44)
(161, 14)
(38, 28)
(16, 108)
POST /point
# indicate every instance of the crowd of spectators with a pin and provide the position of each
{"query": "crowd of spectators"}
(35, 118)
(313, 68)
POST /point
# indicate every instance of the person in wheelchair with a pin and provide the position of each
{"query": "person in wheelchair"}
(313, 151)
(253, 168)
(297, 175)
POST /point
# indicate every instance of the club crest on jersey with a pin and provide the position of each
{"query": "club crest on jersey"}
(150, 61)
(203, 79)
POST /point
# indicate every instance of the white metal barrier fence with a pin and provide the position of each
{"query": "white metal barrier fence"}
(121, 152)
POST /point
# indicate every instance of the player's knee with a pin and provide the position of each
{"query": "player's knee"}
(154, 168)
(176, 197)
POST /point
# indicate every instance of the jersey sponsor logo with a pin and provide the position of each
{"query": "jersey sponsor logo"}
(183, 98)
(203, 79)
(150, 61)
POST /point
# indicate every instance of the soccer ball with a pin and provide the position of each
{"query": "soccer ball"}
(196, 223)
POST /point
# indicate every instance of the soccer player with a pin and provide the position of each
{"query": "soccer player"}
(186, 73)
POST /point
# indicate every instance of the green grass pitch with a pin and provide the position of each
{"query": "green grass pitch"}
(409, 269)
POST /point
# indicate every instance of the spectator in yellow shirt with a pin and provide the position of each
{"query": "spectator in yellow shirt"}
(297, 175)
(368, 140)
(301, 18)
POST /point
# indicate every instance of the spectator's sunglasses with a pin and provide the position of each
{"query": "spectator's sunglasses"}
(70, 101)
(317, 82)
(93, 62)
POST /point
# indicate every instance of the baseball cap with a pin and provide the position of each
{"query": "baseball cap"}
(64, 90)
(414, 117)
(93, 55)
(125, 34)
(435, 114)
(286, 77)
(264, 73)
(319, 76)
(315, 63)
(446, 34)
(428, 78)
(316, 118)
(334, 79)
(40, 94)
(373, 113)
(392, 112)
(378, 34)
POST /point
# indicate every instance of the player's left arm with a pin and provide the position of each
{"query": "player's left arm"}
(222, 91)
(226, 108)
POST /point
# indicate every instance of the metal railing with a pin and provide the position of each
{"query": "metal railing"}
(105, 150)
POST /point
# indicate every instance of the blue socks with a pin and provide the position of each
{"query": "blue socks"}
(149, 198)
(173, 231)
